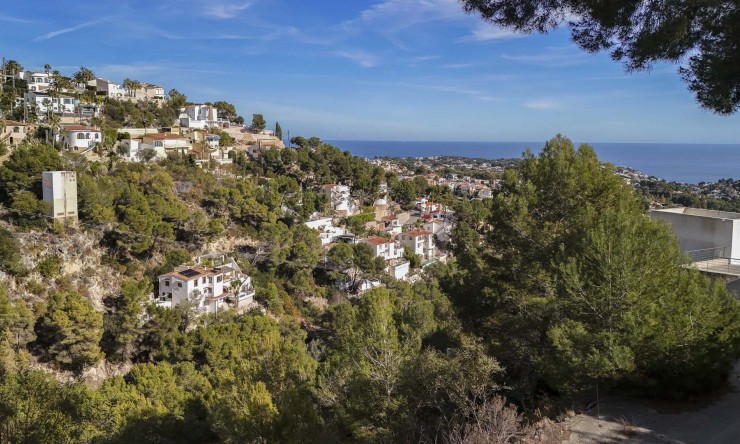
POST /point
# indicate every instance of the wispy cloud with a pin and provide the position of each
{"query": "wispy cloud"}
(58, 32)
(554, 56)
(362, 58)
(458, 65)
(224, 10)
(484, 32)
(543, 104)
(424, 58)
(470, 92)
(11, 19)
(389, 17)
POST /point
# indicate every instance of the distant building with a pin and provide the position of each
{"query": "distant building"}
(60, 192)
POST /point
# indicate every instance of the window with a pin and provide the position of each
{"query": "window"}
(87, 135)
(97, 135)
(219, 279)
(167, 283)
(16, 130)
(179, 285)
(80, 136)
(158, 144)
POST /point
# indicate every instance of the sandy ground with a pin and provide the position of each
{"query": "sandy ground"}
(716, 421)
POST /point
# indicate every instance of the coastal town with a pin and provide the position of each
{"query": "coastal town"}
(147, 238)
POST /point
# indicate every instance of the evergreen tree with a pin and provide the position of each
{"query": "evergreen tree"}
(69, 332)
(574, 284)
(278, 131)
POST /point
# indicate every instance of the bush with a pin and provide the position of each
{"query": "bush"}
(50, 266)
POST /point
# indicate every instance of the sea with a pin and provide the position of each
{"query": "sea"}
(680, 162)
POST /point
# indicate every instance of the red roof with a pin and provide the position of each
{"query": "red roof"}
(418, 233)
(375, 240)
(330, 185)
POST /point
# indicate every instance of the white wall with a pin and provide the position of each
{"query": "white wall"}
(702, 231)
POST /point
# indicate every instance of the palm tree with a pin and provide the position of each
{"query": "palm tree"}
(54, 121)
(127, 84)
(83, 76)
(12, 67)
(47, 68)
(135, 85)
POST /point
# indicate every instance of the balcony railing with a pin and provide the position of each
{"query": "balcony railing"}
(715, 260)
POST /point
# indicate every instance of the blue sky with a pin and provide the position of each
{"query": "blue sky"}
(359, 69)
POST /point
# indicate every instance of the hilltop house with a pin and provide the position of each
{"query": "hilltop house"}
(109, 89)
(339, 198)
(199, 116)
(166, 143)
(147, 91)
(80, 138)
(212, 281)
(37, 81)
(420, 242)
(13, 133)
(442, 230)
(42, 102)
(328, 233)
(388, 249)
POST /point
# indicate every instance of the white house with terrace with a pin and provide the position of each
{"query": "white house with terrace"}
(37, 81)
(339, 198)
(383, 247)
(211, 283)
(328, 233)
(80, 138)
(421, 243)
(109, 89)
(43, 102)
(199, 116)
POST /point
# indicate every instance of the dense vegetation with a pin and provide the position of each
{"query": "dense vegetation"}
(560, 283)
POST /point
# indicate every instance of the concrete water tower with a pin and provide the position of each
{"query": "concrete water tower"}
(60, 191)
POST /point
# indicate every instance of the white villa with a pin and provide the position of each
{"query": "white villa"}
(443, 230)
(109, 89)
(37, 81)
(339, 198)
(328, 233)
(420, 242)
(209, 284)
(388, 249)
(199, 116)
(42, 101)
(80, 138)
(147, 91)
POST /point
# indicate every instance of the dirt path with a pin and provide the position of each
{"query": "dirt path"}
(716, 421)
